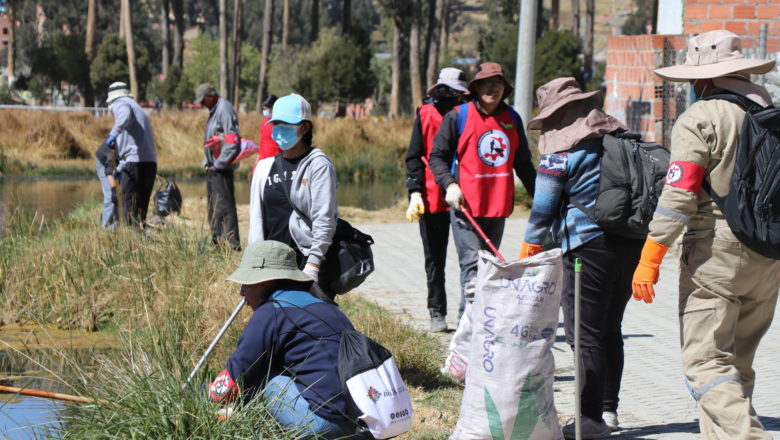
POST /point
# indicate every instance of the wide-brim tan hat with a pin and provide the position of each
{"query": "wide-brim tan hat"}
(711, 55)
(490, 70)
(265, 261)
(556, 94)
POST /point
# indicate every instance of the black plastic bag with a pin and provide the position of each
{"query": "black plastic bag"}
(167, 198)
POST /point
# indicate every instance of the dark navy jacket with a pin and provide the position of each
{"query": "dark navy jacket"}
(297, 335)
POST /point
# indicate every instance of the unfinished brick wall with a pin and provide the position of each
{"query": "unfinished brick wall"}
(635, 95)
(743, 17)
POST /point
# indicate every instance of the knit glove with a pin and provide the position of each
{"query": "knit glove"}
(454, 196)
(312, 271)
(646, 273)
(416, 207)
(528, 250)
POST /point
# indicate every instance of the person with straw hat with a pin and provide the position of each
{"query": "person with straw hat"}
(426, 200)
(727, 292)
(288, 352)
(477, 147)
(132, 141)
(572, 128)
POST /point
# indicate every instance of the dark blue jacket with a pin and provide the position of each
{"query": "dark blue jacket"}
(297, 335)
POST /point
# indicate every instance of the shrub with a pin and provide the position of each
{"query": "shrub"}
(557, 55)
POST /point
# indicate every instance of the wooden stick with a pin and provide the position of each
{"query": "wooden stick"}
(47, 394)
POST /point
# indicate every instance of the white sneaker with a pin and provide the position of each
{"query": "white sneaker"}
(611, 419)
(591, 429)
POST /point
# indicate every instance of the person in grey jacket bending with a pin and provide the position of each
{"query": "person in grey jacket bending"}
(222, 144)
(132, 142)
(308, 176)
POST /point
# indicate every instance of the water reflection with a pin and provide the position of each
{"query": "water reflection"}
(52, 197)
(26, 362)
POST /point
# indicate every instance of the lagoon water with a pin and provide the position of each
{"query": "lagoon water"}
(51, 197)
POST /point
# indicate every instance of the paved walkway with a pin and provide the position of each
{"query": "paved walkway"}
(654, 401)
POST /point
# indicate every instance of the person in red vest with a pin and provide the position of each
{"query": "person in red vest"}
(268, 147)
(426, 200)
(474, 152)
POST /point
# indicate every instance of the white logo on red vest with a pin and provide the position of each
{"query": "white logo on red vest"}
(674, 174)
(493, 148)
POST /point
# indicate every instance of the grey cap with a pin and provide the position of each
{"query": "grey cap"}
(202, 91)
(265, 261)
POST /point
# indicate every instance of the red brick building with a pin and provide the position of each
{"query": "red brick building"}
(4, 31)
(644, 101)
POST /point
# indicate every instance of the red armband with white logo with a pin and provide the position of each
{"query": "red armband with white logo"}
(685, 175)
(224, 389)
(232, 139)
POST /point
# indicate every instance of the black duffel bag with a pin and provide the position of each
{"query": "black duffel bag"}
(349, 259)
(167, 198)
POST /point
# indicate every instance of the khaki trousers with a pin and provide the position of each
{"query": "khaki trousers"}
(728, 295)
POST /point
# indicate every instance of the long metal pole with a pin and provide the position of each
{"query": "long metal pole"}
(524, 72)
(762, 51)
(482, 234)
(214, 342)
(577, 392)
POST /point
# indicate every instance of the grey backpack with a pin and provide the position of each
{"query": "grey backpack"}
(633, 174)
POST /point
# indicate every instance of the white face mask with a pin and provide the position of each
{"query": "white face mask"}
(266, 113)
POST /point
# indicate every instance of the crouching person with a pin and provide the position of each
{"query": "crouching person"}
(288, 353)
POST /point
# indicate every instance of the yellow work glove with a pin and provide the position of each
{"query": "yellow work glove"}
(529, 250)
(416, 207)
(646, 273)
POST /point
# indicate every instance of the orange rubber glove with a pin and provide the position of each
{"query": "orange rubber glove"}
(646, 273)
(529, 250)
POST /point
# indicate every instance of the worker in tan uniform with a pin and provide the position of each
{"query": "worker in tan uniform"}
(728, 292)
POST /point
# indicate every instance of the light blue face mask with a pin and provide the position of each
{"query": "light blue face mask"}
(266, 113)
(285, 135)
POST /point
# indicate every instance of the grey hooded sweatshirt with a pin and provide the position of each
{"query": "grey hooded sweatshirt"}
(313, 191)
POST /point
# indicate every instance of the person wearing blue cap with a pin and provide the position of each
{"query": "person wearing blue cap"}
(293, 194)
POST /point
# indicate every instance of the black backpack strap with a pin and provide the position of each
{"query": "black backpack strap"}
(742, 101)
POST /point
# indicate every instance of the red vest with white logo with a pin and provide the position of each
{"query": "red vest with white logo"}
(430, 120)
(486, 153)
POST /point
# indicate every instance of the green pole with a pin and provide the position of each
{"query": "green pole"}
(577, 391)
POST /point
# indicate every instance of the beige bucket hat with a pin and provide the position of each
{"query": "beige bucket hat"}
(555, 95)
(711, 55)
(265, 261)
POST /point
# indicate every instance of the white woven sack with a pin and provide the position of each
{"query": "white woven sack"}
(509, 381)
(382, 397)
(456, 363)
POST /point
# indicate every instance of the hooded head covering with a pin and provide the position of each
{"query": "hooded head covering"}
(568, 116)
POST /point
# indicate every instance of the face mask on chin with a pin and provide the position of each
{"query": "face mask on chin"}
(266, 113)
(285, 135)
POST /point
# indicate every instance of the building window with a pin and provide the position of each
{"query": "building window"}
(5, 31)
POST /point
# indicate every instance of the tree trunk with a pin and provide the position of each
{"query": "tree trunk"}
(414, 55)
(122, 19)
(314, 26)
(285, 24)
(224, 87)
(11, 41)
(130, 49)
(346, 16)
(166, 37)
(178, 33)
(575, 18)
(445, 30)
(395, 80)
(432, 70)
(555, 21)
(590, 11)
(90, 49)
(267, 13)
(238, 24)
